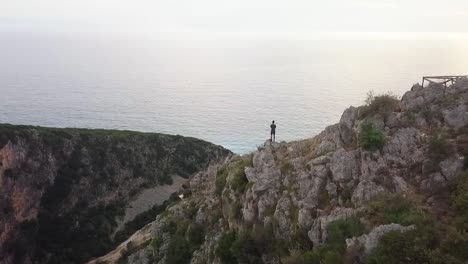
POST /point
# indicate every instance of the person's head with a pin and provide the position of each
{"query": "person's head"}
(273, 121)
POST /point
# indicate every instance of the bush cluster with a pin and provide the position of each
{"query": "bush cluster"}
(247, 246)
(439, 148)
(186, 238)
(334, 249)
(239, 180)
(430, 242)
(370, 138)
(396, 209)
(460, 202)
(380, 104)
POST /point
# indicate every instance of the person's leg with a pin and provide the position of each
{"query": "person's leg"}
(274, 137)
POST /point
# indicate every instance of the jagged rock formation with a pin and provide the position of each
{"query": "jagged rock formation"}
(280, 203)
(63, 192)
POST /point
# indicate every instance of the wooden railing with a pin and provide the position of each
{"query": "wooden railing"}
(442, 79)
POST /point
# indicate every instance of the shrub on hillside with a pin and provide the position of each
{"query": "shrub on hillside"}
(334, 249)
(380, 104)
(223, 251)
(221, 176)
(415, 246)
(396, 209)
(178, 251)
(460, 202)
(195, 235)
(248, 246)
(239, 179)
(439, 148)
(370, 138)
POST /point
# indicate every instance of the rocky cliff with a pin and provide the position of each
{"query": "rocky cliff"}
(67, 195)
(387, 184)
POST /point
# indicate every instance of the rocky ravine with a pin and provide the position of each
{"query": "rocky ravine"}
(328, 199)
(64, 193)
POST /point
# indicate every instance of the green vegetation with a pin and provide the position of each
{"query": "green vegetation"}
(437, 151)
(221, 176)
(247, 246)
(416, 246)
(430, 242)
(411, 116)
(238, 180)
(223, 251)
(371, 138)
(439, 148)
(396, 209)
(380, 104)
(178, 251)
(186, 238)
(460, 202)
(55, 236)
(155, 244)
(334, 249)
(106, 160)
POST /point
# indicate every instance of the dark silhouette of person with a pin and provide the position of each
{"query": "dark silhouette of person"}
(273, 131)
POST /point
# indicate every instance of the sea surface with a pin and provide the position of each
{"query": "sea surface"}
(221, 88)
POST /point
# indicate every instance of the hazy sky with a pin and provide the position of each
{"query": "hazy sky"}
(236, 16)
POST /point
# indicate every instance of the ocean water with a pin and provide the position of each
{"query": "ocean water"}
(223, 89)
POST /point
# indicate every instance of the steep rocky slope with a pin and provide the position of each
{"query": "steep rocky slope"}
(384, 185)
(64, 192)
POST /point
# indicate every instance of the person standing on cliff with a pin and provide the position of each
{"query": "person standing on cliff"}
(273, 131)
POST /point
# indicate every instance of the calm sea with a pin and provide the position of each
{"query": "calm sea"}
(224, 89)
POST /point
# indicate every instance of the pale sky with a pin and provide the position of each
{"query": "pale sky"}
(236, 16)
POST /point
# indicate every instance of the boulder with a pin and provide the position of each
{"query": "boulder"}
(456, 117)
(404, 147)
(365, 191)
(371, 240)
(318, 233)
(344, 165)
(346, 125)
(451, 167)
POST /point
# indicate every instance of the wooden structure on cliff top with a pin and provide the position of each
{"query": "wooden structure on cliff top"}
(442, 79)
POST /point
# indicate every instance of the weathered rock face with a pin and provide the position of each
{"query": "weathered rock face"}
(62, 191)
(295, 190)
